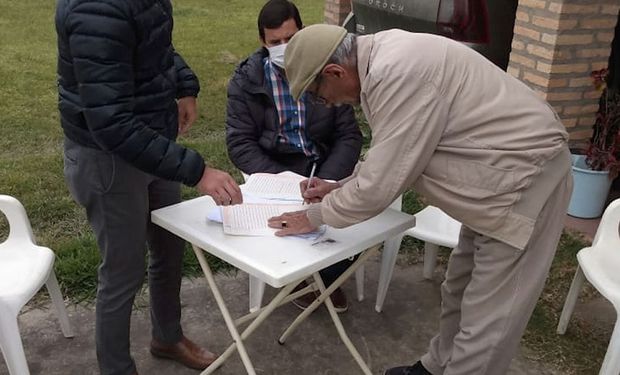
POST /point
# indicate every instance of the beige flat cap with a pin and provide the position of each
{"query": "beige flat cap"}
(307, 53)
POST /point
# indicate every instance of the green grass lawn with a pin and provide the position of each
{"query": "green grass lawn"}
(213, 37)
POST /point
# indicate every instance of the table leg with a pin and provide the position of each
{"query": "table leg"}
(320, 299)
(343, 335)
(287, 299)
(325, 292)
(238, 339)
(265, 312)
(227, 318)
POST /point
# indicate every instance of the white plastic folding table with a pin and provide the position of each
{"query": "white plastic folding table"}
(282, 262)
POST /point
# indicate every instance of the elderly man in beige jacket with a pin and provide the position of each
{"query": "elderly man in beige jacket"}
(477, 143)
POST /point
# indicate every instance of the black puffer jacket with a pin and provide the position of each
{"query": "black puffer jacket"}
(252, 127)
(119, 77)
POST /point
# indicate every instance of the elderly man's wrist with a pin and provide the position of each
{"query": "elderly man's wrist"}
(314, 215)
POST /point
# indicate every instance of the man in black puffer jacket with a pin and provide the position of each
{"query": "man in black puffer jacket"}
(268, 131)
(119, 83)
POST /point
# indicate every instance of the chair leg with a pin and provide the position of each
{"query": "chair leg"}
(359, 282)
(257, 289)
(59, 304)
(11, 345)
(611, 363)
(430, 259)
(388, 260)
(571, 300)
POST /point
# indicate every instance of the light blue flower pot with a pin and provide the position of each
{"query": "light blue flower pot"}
(590, 190)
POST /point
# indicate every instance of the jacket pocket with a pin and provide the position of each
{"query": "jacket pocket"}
(467, 173)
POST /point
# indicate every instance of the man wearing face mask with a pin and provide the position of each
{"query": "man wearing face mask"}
(267, 130)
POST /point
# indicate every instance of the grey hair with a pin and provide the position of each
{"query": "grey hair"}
(346, 53)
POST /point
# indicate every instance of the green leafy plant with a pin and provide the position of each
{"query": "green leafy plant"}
(603, 152)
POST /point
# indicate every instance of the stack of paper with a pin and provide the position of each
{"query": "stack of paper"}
(264, 195)
(281, 187)
(251, 219)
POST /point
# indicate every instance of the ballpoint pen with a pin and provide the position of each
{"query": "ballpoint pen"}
(311, 175)
(310, 178)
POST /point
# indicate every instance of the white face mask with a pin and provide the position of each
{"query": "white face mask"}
(276, 54)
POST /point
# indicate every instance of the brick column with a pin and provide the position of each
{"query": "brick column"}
(336, 11)
(556, 44)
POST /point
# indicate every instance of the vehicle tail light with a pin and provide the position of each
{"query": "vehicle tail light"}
(464, 20)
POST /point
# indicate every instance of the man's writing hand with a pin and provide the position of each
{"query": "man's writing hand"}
(291, 223)
(220, 186)
(318, 189)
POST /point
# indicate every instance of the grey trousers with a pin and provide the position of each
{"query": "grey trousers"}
(489, 294)
(118, 199)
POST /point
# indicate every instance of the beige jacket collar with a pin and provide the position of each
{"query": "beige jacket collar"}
(364, 49)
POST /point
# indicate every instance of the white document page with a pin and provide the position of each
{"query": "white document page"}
(216, 213)
(274, 186)
(251, 219)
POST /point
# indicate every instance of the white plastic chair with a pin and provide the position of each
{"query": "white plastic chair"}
(599, 264)
(24, 268)
(434, 227)
(388, 259)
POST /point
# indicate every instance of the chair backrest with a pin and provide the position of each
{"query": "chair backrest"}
(20, 229)
(608, 229)
(397, 204)
(435, 226)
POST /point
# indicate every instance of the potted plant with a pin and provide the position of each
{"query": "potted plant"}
(594, 171)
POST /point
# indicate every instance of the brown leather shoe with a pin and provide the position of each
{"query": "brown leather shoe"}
(339, 299)
(185, 352)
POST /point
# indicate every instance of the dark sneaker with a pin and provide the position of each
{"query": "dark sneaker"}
(339, 299)
(416, 369)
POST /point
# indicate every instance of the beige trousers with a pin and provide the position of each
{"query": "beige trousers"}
(490, 292)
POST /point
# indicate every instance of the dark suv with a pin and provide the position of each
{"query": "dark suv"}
(485, 25)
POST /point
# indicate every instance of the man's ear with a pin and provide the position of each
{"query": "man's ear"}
(334, 70)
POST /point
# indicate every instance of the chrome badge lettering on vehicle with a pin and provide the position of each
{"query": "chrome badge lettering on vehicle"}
(394, 6)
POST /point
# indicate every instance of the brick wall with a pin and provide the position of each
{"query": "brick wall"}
(556, 44)
(336, 11)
